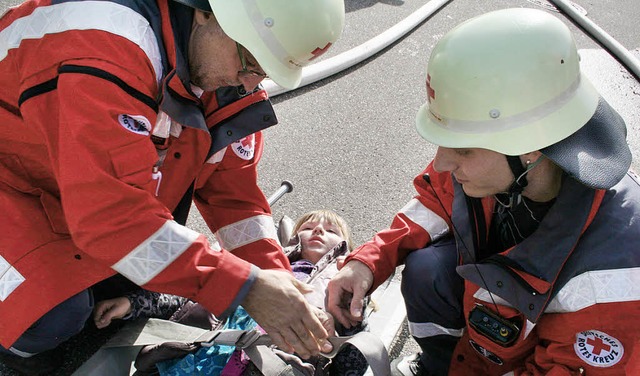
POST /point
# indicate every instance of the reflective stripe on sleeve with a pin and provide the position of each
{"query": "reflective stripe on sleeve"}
(156, 253)
(599, 286)
(247, 231)
(10, 278)
(425, 218)
(84, 15)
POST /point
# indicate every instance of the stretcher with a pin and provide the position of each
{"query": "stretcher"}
(118, 355)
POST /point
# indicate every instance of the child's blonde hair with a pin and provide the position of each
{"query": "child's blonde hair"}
(328, 216)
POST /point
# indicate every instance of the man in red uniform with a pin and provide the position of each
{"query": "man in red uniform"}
(116, 116)
(520, 249)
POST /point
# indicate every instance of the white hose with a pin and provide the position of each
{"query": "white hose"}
(347, 59)
(627, 59)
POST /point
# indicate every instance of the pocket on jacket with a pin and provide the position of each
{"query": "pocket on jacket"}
(133, 164)
(15, 176)
(53, 210)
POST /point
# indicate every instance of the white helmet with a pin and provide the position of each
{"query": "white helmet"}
(283, 35)
(510, 81)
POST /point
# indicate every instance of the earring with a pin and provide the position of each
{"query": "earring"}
(528, 162)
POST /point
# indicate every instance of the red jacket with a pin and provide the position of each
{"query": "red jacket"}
(569, 287)
(91, 169)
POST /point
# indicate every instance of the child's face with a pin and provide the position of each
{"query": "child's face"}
(317, 238)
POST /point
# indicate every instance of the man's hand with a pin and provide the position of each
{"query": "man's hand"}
(276, 302)
(347, 291)
(110, 309)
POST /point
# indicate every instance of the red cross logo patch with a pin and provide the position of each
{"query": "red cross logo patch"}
(244, 148)
(431, 94)
(319, 51)
(135, 123)
(598, 349)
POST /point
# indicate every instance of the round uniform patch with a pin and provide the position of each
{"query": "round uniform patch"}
(245, 147)
(135, 123)
(598, 349)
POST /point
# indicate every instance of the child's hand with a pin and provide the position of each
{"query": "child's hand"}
(110, 309)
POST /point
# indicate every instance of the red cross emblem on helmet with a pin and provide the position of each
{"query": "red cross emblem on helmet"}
(431, 94)
(319, 51)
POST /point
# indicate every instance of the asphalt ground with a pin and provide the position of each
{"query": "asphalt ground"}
(348, 143)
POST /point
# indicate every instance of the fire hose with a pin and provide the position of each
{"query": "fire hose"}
(626, 58)
(347, 59)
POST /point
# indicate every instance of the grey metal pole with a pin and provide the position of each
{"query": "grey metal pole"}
(628, 60)
(284, 188)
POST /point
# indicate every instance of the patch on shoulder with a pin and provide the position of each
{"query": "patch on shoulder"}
(598, 349)
(244, 148)
(135, 123)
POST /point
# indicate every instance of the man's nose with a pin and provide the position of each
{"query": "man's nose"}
(250, 81)
(318, 230)
(443, 160)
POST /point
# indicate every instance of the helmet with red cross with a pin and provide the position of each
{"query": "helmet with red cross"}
(283, 35)
(510, 81)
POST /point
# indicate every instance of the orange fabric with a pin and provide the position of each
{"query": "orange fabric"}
(549, 348)
(76, 184)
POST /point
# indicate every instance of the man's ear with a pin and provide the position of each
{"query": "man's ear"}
(530, 157)
(200, 17)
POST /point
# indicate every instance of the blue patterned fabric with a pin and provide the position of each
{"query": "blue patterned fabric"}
(208, 361)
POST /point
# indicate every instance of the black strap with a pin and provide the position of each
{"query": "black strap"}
(181, 212)
(479, 227)
(518, 171)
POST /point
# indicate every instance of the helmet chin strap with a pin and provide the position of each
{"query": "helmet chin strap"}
(520, 182)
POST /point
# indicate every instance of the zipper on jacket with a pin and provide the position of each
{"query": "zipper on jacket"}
(34, 91)
(91, 71)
